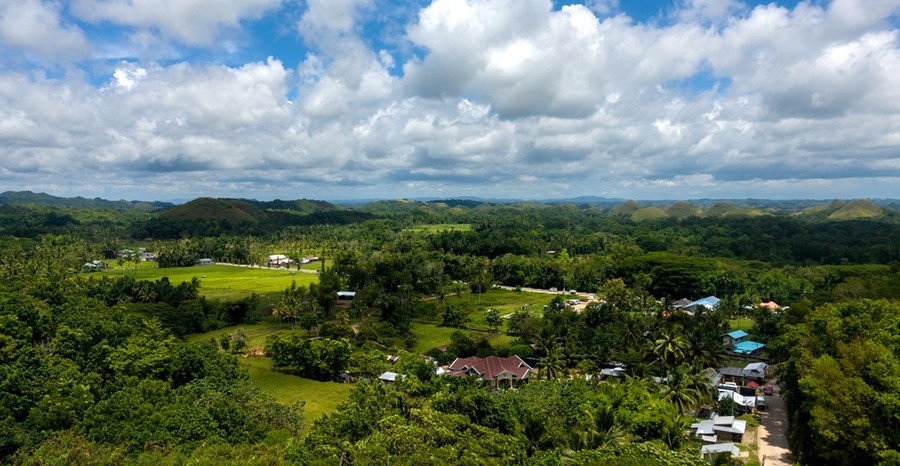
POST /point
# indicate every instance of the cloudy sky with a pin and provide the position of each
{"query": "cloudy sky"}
(348, 99)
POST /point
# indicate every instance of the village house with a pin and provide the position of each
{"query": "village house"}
(719, 429)
(493, 369)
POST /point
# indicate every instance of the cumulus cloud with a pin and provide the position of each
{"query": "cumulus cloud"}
(510, 98)
(194, 22)
(37, 26)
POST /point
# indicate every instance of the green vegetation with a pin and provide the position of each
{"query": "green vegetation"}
(430, 336)
(227, 364)
(439, 228)
(318, 398)
(221, 281)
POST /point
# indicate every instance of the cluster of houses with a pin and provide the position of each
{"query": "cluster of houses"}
(738, 343)
(721, 431)
(281, 260)
(142, 253)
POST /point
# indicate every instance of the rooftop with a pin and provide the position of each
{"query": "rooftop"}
(748, 347)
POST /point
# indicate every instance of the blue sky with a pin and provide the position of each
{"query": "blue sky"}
(340, 99)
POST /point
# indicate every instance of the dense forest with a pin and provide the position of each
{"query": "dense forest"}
(109, 367)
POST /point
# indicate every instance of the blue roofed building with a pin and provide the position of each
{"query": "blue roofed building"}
(731, 338)
(709, 302)
(748, 347)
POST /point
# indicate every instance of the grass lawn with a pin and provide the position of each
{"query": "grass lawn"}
(320, 397)
(221, 281)
(256, 333)
(502, 340)
(439, 227)
(431, 336)
(504, 301)
(743, 323)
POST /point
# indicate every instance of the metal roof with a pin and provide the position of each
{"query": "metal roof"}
(747, 347)
(720, 448)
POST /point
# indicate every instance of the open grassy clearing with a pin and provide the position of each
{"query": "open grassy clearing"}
(431, 336)
(440, 227)
(504, 301)
(502, 340)
(256, 333)
(221, 281)
(743, 323)
(320, 397)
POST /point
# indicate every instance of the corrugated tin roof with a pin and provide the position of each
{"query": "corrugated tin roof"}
(747, 347)
(720, 448)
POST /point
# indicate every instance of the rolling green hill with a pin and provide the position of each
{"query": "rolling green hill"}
(727, 209)
(232, 211)
(625, 210)
(648, 213)
(682, 209)
(856, 209)
(839, 210)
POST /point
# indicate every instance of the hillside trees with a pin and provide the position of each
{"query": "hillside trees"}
(841, 383)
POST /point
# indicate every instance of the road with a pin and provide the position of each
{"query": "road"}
(772, 433)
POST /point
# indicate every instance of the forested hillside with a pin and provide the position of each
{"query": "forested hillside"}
(117, 347)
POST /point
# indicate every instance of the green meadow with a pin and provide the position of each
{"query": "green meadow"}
(742, 323)
(221, 281)
(256, 333)
(504, 301)
(319, 397)
(432, 336)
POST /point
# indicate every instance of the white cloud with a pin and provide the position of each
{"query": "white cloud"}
(194, 22)
(38, 27)
(501, 97)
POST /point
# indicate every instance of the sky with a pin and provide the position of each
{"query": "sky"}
(524, 99)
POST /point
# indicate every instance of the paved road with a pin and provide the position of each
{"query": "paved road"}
(772, 433)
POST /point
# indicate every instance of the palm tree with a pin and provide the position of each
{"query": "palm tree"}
(597, 427)
(288, 306)
(687, 388)
(669, 349)
(551, 367)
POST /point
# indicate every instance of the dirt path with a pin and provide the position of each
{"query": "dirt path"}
(772, 433)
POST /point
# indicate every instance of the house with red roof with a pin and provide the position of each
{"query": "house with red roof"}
(493, 369)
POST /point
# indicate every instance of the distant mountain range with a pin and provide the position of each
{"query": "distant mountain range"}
(28, 197)
(237, 211)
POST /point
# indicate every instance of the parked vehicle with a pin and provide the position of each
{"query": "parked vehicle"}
(761, 405)
(768, 389)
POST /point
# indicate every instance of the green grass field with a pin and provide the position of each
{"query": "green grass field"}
(220, 281)
(504, 301)
(256, 333)
(743, 323)
(431, 336)
(320, 397)
(439, 227)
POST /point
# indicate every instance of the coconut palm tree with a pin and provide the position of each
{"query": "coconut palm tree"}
(687, 388)
(669, 349)
(596, 427)
(551, 367)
